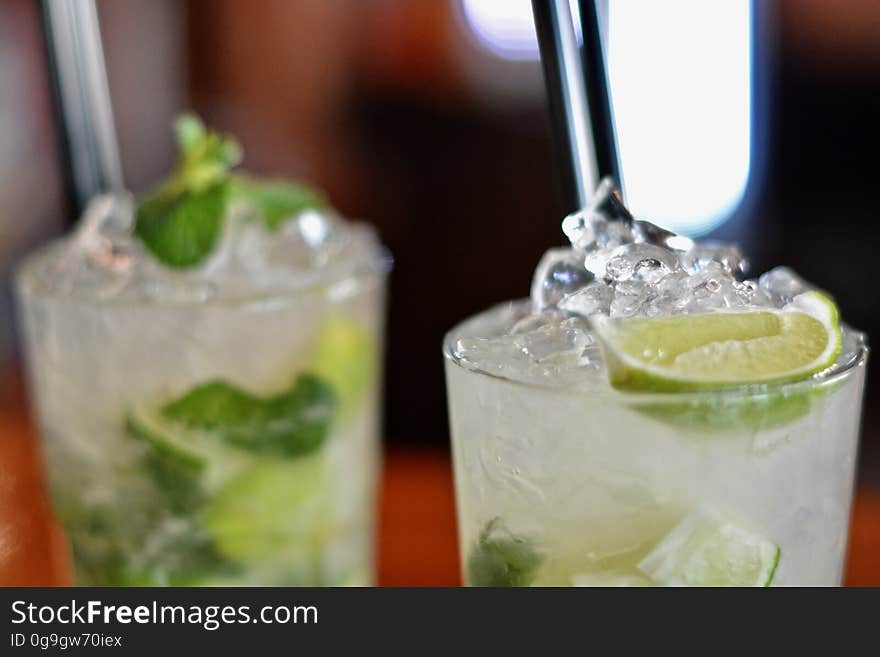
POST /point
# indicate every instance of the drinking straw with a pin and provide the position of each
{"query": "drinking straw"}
(577, 94)
(598, 91)
(84, 114)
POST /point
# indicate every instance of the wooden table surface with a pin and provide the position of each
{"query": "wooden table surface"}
(417, 543)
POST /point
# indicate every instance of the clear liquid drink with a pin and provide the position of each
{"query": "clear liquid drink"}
(215, 425)
(565, 480)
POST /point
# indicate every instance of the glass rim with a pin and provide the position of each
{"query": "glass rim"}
(378, 263)
(827, 378)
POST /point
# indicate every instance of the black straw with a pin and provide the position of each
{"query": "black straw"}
(599, 92)
(579, 102)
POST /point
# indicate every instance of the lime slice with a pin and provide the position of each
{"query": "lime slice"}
(736, 413)
(610, 579)
(182, 456)
(346, 357)
(166, 437)
(275, 510)
(723, 348)
(706, 550)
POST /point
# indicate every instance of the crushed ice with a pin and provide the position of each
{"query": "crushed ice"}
(618, 266)
(104, 260)
(621, 266)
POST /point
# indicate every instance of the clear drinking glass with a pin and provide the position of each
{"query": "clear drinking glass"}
(147, 499)
(558, 486)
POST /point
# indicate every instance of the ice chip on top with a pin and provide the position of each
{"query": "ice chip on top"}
(560, 274)
(621, 266)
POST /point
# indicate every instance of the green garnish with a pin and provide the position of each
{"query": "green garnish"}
(177, 473)
(181, 221)
(291, 424)
(502, 559)
(277, 511)
(275, 200)
(182, 229)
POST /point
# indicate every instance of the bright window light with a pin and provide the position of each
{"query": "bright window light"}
(505, 27)
(680, 74)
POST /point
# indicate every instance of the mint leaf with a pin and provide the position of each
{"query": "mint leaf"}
(275, 200)
(502, 559)
(206, 156)
(288, 425)
(176, 473)
(190, 131)
(180, 222)
(181, 230)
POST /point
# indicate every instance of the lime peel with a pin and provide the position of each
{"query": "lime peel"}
(725, 348)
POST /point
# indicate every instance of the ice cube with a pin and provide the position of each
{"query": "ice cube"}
(601, 227)
(104, 232)
(651, 270)
(594, 299)
(563, 340)
(630, 298)
(299, 244)
(100, 258)
(782, 285)
(704, 253)
(535, 321)
(172, 287)
(648, 233)
(604, 218)
(106, 215)
(556, 350)
(560, 272)
(669, 296)
(751, 295)
(643, 262)
(500, 356)
(560, 349)
(711, 288)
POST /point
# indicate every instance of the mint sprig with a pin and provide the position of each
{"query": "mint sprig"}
(502, 559)
(275, 200)
(181, 221)
(291, 424)
(181, 229)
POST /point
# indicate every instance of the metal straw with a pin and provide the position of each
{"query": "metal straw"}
(580, 107)
(599, 92)
(82, 99)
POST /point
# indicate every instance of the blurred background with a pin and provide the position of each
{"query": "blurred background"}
(753, 122)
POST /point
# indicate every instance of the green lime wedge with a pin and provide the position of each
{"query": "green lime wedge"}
(346, 357)
(610, 579)
(185, 463)
(736, 412)
(167, 438)
(721, 349)
(275, 510)
(707, 550)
